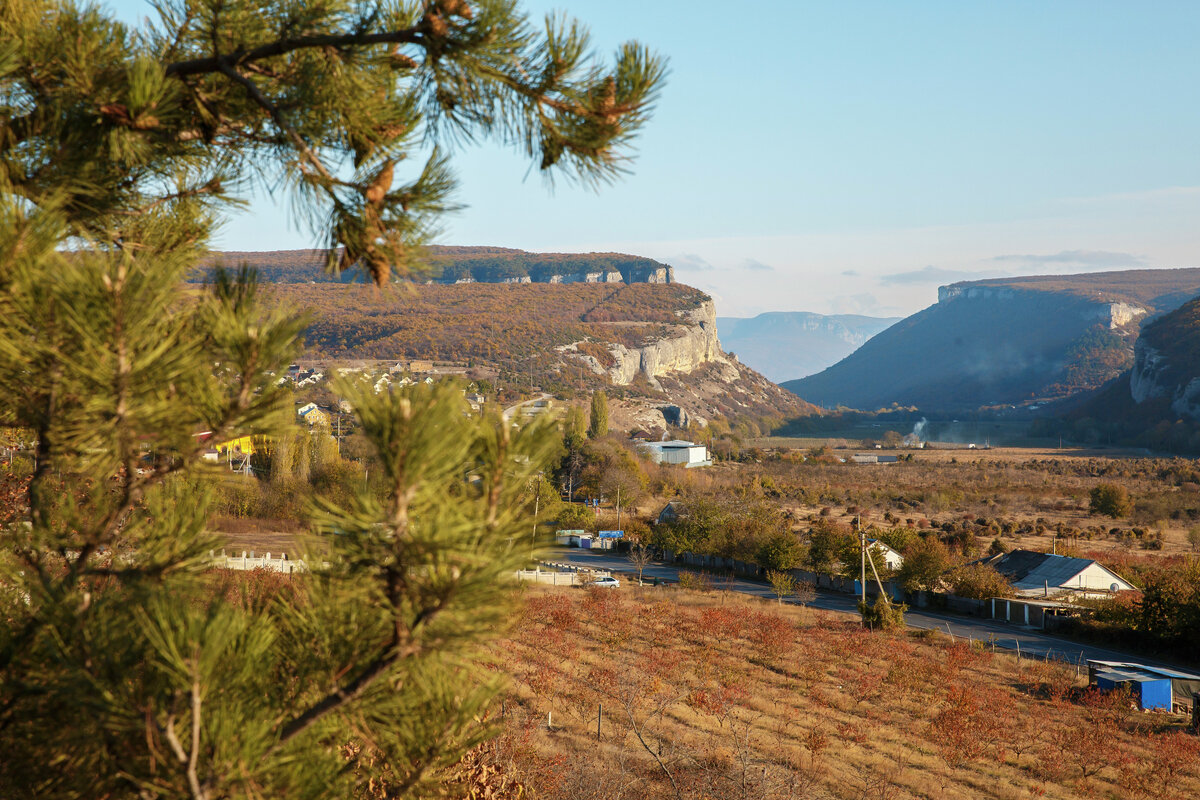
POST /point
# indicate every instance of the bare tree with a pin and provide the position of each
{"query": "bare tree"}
(805, 592)
(641, 558)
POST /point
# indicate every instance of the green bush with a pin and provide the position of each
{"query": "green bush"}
(1110, 499)
(882, 615)
(576, 517)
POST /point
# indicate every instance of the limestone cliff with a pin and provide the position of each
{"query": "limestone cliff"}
(459, 265)
(685, 347)
(693, 347)
(1167, 362)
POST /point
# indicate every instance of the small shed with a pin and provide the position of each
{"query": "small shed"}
(1181, 686)
(1152, 691)
(671, 512)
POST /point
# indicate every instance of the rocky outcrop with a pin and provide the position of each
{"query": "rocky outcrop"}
(1146, 377)
(1167, 362)
(694, 346)
(1113, 314)
(455, 265)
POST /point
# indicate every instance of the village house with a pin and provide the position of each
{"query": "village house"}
(883, 554)
(1034, 574)
(312, 414)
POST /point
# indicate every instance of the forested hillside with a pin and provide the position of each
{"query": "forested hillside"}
(653, 342)
(499, 323)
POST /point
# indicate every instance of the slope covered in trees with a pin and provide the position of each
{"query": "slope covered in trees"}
(499, 323)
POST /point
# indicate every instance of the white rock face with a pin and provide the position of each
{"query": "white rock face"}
(689, 351)
(948, 293)
(1148, 366)
(1119, 314)
(1187, 400)
(1149, 379)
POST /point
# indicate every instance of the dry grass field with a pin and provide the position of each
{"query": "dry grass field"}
(1028, 496)
(716, 696)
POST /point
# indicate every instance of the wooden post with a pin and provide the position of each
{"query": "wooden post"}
(599, 716)
(549, 719)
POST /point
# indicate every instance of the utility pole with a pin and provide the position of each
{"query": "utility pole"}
(862, 545)
(618, 506)
(537, 499)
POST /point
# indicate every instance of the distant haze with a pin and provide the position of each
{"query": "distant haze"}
(784, 345)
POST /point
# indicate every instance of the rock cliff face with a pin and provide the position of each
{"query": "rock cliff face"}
(691, 344)
(461, 265)
(695, 346)
(1113, 314)
(1167, 362)
(1005, 342)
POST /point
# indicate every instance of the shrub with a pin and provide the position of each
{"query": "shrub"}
(576, 516)
(882, 614)
(1110, 499)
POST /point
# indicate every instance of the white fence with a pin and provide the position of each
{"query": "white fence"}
(247, 562)
(561, 575)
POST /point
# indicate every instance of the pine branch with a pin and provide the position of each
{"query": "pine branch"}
(276, 114)
(201, 66)
(391, 655)
(343, 695)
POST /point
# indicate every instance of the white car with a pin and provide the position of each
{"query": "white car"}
(608, 583)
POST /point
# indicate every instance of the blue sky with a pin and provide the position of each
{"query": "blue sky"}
(848, 156)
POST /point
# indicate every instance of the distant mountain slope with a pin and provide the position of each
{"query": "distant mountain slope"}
(462, 265)
(1004, 341)
(793, 344)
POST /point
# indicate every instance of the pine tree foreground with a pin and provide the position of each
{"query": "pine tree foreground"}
(126, 668)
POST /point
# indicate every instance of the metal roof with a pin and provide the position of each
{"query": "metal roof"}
(1027, 569)
(1160, 671)
(1121, 676)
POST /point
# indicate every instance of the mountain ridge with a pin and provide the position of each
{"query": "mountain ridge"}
(1005, 341)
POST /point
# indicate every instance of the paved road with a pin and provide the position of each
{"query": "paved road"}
(509, 412)
(1009, 637)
